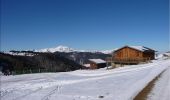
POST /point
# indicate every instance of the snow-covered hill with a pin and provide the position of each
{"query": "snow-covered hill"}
(163, 55)
(117, 84)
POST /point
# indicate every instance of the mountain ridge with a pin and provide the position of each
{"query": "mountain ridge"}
(67, 49)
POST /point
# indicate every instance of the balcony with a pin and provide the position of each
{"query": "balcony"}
(127, 60)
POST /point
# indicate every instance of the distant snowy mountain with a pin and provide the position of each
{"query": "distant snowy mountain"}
(108, 51)
(56, 49)
(62, 48)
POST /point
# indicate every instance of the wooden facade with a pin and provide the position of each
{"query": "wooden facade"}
(95, 64)
(129, 55)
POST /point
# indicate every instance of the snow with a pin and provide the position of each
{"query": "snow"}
(108, 51)
(60, 48)
(161, 89)
(122, 83)
(140, 48)
(164, 55)
(20, 53)
(167, 54)
(87, 65)
(67, 49)
(159, 56)
(97, 61)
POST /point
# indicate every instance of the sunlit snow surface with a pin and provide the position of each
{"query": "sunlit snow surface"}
(161, 89)
(116, 84)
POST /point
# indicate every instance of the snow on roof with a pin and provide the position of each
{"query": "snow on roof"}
(86, 65)
(98, 61)
(140, 48)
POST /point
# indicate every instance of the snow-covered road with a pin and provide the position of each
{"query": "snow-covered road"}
(161, 89)
(117, 84)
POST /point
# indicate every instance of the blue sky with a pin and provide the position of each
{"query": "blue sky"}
(84, 24)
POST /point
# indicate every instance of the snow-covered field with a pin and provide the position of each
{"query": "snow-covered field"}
(117, 84)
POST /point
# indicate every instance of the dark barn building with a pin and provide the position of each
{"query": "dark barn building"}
(97, 63)
(133, 55)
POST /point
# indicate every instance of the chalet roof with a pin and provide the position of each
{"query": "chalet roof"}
(97, 61)
(86, 65)
(140, 48)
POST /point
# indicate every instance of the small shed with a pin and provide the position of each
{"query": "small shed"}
(86, 66)
(97, 63)
(133, 54)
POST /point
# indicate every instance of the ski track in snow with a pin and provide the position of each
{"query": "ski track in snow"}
(74, 85)
(47, 97)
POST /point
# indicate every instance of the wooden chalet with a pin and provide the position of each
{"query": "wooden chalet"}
(97, 63)
(133, 55)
